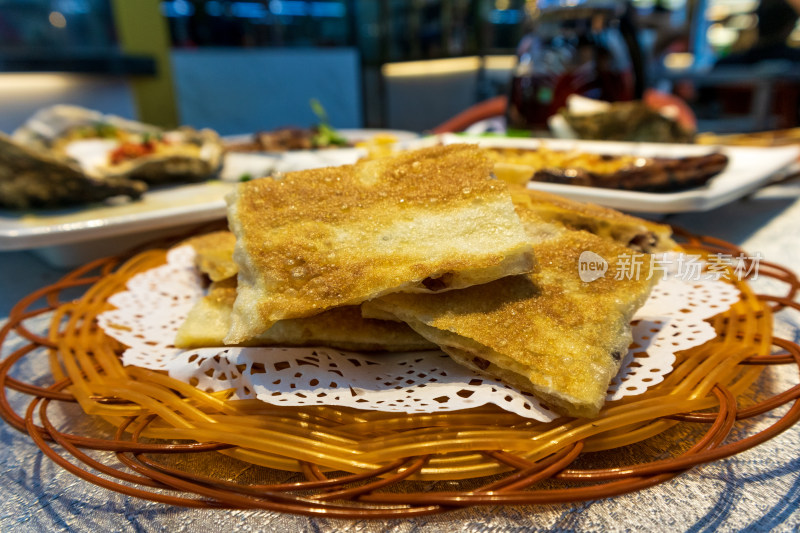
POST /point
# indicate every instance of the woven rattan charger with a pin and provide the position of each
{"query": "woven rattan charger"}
(367, 464)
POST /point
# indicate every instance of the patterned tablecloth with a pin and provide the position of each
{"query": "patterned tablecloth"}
(758, 490)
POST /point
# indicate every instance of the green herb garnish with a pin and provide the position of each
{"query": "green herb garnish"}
(325, 135)
(105, 130)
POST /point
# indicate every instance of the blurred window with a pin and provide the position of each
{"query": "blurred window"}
(748, 31)
(56, 24)
(259, 23)
(383, 30)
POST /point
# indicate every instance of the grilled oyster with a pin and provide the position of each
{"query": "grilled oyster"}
(637, 121)
(108, 146)
(31, 178)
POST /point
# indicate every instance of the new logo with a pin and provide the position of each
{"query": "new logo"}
(591, 266)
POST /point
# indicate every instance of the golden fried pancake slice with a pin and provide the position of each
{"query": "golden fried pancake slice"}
(343, 328)
(549, 332)
(424, 221)
(635, 233)
(214, 254)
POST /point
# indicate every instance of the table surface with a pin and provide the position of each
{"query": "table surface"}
(758, 490)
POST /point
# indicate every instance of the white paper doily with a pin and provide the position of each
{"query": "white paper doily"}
(149, 313)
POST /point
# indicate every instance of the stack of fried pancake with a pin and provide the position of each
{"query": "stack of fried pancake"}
(426, 249)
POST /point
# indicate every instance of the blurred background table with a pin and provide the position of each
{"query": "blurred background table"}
(757, 490)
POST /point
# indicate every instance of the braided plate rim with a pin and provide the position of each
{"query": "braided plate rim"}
(514, 474)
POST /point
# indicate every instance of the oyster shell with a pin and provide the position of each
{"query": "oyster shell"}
(53, 127)
(31, 178)
(107, 146)
(636, 121)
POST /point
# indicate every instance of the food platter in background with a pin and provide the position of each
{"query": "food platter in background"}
(748, 169)
(65, 237)
(252, 162)
(72, 235)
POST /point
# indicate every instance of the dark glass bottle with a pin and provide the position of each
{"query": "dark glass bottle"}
(574, 47)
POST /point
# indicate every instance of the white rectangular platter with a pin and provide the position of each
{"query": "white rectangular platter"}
(747, 170)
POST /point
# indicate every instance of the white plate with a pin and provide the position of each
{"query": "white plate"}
(360, 135)
(255, 164)
(352, 135)
(747, 170)
(66, 237)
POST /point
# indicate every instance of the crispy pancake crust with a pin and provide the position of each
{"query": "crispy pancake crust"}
(548, 332)
(214, 254)
(424, 221)
(343, 328)
(636, 233)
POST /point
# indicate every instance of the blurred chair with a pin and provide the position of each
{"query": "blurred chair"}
(493, 107)
(420, 93)
(245, 90)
